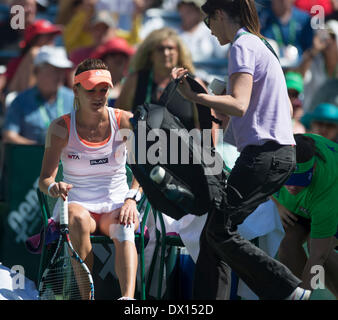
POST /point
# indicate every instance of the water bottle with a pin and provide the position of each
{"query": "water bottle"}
(173, 190)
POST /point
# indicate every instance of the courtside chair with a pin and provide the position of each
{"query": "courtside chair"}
(47, 204)
(173, 241)
(144, 203)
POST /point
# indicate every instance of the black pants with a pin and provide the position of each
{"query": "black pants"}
(259, 172)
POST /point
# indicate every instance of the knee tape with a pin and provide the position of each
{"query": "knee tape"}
(122, 232)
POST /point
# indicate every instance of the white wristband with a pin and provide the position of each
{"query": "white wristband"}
(133, 194)
(50, 187)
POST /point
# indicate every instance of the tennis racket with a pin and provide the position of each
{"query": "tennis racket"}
(67, 277)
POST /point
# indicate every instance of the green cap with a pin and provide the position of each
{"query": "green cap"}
(294, 81)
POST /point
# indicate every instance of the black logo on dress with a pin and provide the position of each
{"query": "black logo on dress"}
(98, 161)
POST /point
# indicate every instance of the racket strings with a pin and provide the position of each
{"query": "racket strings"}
(68, 280)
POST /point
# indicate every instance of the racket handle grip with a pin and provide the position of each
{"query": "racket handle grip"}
(64, 212)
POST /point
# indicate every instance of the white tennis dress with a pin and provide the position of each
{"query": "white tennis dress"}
(96, 170)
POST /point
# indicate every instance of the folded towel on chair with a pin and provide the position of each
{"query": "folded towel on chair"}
(34, 243)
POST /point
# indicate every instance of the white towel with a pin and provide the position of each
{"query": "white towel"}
(264, 223)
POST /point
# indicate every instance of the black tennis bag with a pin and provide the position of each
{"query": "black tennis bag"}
(180, 172)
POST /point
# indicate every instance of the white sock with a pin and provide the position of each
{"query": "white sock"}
(299, 294)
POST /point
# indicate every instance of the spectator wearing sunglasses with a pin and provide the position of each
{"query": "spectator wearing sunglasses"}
(28, 116)
(151, 66)
(116, 54)
(259, 107)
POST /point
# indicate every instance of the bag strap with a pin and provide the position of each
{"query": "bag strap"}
(263, 39)
(177, 80)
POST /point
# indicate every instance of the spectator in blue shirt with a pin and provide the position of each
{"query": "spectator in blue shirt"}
(29, 115)
(287, 25)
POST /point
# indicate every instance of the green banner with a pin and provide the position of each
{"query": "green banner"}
(22, 217)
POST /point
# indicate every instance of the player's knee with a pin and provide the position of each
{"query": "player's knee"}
(122, 232)
(79, 219)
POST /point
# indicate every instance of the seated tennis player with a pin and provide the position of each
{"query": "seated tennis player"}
(93, 156)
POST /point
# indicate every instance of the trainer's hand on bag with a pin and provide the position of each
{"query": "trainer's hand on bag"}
(183, 85)
(287, 217)
(128, 213)
(60, 189)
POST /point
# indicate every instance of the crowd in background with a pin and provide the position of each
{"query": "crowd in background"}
(141, 41)
(114, 30)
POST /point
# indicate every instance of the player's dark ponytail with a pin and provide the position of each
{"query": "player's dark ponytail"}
(249, 16)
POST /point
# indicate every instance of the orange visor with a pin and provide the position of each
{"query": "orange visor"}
(89, 79)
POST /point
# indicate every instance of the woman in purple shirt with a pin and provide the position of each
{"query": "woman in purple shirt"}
(258, 107)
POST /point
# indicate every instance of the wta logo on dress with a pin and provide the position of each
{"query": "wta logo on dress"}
(74, 156)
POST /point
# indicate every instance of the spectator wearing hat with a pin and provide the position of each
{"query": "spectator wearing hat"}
(323, 120)
(307, 205)
(29, 115)
(19, 73)
(90, 28)
(115, 53)
(87, 29)
(103, 29)
(295, 86)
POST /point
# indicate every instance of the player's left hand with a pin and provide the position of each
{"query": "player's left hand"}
(128, 213)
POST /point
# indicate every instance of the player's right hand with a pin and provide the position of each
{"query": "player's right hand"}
(60, 189)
